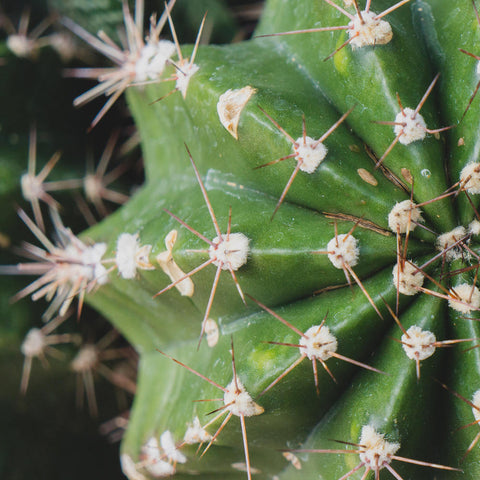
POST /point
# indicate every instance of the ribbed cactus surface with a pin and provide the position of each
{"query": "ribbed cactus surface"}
(345, 154)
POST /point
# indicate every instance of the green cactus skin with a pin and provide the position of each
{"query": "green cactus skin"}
(284, 269)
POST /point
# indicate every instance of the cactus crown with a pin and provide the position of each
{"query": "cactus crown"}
(344, 215)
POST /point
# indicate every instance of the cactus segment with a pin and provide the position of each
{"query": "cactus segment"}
(377, 401)
(344, 218)
(459, 81)
(370, 78)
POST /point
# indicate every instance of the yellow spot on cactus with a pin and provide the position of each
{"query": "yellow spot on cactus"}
(341, 58)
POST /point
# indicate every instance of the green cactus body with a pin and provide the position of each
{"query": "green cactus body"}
(288, 267)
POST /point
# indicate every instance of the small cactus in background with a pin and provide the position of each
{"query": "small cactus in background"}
(330, 166)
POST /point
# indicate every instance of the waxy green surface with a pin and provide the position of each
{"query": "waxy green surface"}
(282, 270)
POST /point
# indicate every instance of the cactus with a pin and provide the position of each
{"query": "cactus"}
(310, 203)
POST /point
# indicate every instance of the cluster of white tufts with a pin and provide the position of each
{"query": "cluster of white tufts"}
(309, 153)
(404, 216)
(464, 298)
(367, 29)
(448, 239)
(34, 343)
(66, 269)
(375, 452)
(230, 251)
(470, 178)
(343, 250)
(86, 359)
(238, 401)
(143, 58)
(169, 448)
(130, 255)
(21, 42)
(185, 72)
(196, 433)
(152, 60)
(410, 126)
(418, 344)
(91, 263)
(21, 46)
(318, 343)
(153, 461)
(474, 227)
(32, 187)
(159, 459)
(407, 279)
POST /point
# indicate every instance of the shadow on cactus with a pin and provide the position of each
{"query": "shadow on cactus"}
(367, 245)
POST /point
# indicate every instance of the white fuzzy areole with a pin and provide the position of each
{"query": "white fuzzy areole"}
(127, 246)
(418, 344)
(343, 250)
(468, 300)
(130, 255)
(184, 74)
(86, 359)
(450, 238)
(318, 343)
(34, 343)
(476, 402)
(229, 254)
(310, 153)
(196, 433)
(32, 187)
(92, 186)
(399, 215)
(91, 259)
(230, 106)
(170, 449)
(240, 400)
(409, 280)
(470, 177)
(153, 59)
(375, 450)
(151, 450)
(20, 45)
(474, 227)
(413, 126)
(160, 468)
(152, 460)
(370, 31)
